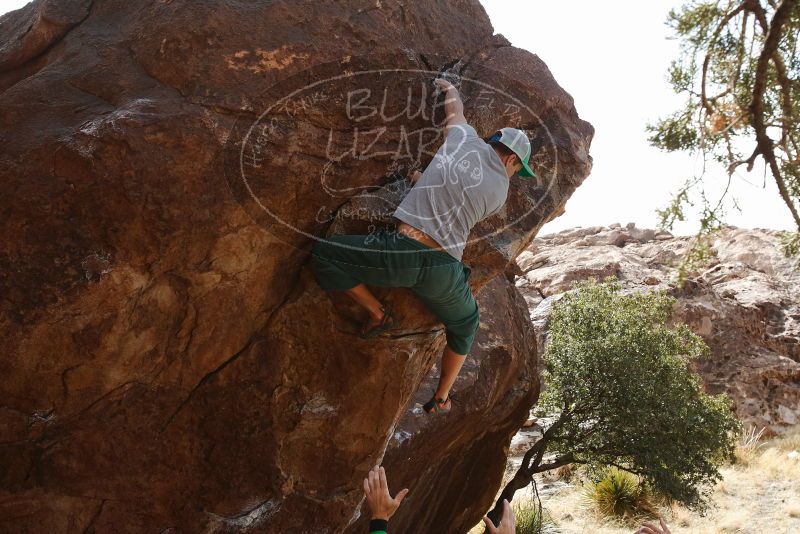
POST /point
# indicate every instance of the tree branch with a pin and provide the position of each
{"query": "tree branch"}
(707, 59)
(564, 460)
(749, 161)
(526, 470)
(765, 143)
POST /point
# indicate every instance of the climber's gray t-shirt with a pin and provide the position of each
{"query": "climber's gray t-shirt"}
(465, 182)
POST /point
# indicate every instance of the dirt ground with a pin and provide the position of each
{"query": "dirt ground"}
(760, 494)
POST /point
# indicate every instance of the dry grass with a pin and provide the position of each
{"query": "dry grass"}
(759, 494)
(749, 446)
(565, 472)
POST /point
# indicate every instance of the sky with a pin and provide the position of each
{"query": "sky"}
(612, 57)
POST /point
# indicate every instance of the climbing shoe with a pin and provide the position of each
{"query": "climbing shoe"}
(437, 406)
(386, 323)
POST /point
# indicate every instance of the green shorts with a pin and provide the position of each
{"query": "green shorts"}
(391, 259)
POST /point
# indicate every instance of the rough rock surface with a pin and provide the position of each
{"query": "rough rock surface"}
(745, 304)
(169, 363)
(496, 387)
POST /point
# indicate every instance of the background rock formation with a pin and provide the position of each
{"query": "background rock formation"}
(169, 363)
(745, 304)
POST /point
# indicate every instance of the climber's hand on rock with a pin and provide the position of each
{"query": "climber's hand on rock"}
(376, 489)
(453, 106)
(443, 85)
(506, 525)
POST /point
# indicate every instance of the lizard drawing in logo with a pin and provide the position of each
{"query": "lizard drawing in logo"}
(458, 165)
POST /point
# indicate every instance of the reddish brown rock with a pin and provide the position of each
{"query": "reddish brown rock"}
(744, 304)
(453, 463)
(169, 363)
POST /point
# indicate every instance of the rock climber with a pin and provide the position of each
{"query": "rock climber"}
(466, 182)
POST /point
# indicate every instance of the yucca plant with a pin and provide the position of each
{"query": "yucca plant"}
(620, 494)
(531, 518)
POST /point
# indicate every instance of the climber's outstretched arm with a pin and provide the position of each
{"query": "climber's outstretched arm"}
(453, 106)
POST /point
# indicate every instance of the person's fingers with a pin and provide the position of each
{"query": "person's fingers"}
(441, 83)
(664, 526)
(377, 478)
(382, 477)
(366, 487)
(508, 513)
(374, 483)
(401, 496)
(489, 524)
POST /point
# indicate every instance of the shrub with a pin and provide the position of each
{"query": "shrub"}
(621, 494)
(566, 472)
(748, 447)
(618, 380)
(530, 518)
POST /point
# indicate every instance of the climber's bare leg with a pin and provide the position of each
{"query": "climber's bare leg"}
(367, 300)
(451, 365)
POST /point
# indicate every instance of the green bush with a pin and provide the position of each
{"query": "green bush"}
(529, 520)
(620, 494)
(617, 374)
(619, 387)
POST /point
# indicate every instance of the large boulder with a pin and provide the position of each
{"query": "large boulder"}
(169, 363)
(454, 464)
(744, 304)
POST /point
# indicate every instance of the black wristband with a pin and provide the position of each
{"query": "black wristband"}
(378, 525)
